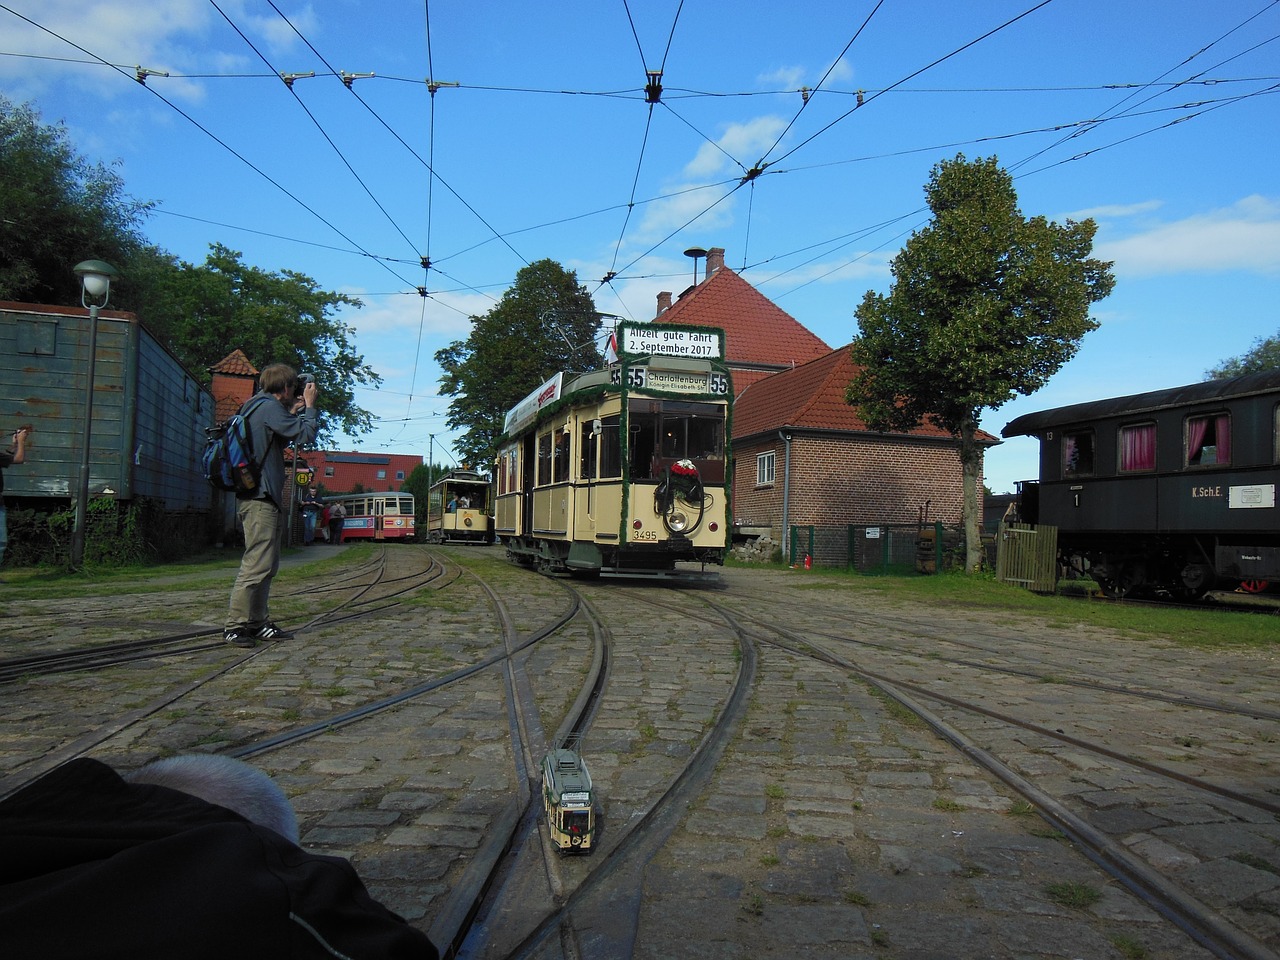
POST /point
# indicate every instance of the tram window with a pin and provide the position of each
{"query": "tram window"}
(561, 465)
(587, 452)
(544, 461)
(1138, 447)
(1208, 440)
(697, 437)
(610, 447)
(1077, 454)
(642, 444)
(513, 470)
(576, 822)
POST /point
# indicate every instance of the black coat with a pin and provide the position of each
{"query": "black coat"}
(94, 867)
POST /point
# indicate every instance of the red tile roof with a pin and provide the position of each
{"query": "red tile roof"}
(235, 363)
(811, 396)
(756, 330)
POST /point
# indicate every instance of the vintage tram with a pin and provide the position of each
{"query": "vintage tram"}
(1171, 491)
(567, 799)
(624, 471)
(458, 508)
(376, 516)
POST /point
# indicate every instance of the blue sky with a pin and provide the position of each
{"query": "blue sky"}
(1158, 118)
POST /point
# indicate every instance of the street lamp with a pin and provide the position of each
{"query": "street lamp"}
(95, 289)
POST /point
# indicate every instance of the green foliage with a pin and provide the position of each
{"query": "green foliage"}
(116, 535)
(273, 317)
(545, 323)
(1263, 356)
(56, 209)
(985, 305)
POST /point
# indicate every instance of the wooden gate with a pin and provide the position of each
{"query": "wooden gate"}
(1028, 556)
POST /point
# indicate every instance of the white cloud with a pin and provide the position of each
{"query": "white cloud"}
(1244, 236)
(1115, 211)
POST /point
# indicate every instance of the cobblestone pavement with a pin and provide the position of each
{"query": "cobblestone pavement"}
(834, 825)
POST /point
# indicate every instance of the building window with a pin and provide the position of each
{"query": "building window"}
(1208, 440)
(382, 474)
(1138, 447)
(1077, 454)
(765, 465)
(328, 471)
(399, 474)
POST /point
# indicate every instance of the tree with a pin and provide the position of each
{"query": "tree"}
(273, 317)
(546, 322)
(1264, 355)
(58, 209)
(985, 305)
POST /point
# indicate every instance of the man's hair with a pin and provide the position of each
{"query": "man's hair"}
(278, 378)
(227, 782)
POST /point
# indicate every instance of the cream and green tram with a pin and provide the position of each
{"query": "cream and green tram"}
(624, 471)
(458, 508)
(567, 801)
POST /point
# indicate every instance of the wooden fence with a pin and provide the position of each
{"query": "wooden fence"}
(1028, 555)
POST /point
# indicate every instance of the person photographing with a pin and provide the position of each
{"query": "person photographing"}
(282, 412)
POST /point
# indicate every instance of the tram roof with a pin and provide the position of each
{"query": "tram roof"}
(1030, 424)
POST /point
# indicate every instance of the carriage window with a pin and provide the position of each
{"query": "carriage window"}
(1077, 454)
(561, 457)
(1138, 447)
(1208, 440)
(610, 447)
(513, 469)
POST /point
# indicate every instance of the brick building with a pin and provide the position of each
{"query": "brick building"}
(802, 455)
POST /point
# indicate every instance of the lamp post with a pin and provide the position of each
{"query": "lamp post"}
(95, 290)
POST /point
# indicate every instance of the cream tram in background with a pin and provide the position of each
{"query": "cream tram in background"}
(623, 471)
(567, 800)
(458, 508)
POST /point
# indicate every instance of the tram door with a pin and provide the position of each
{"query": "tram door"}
(528, 459)
(379, 510)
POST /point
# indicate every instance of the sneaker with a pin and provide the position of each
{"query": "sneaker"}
(269, 631)
(237, 636)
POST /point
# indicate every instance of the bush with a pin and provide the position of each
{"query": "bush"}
(116, 534)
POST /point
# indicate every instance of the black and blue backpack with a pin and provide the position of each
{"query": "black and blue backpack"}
(229, 463)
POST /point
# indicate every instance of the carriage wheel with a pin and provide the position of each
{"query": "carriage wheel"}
(1254, 586)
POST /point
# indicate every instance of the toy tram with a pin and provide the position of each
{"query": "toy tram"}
(458, 508)
(567, 799)
(376, 516)
(624, 471)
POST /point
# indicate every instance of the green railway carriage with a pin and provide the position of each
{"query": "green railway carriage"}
(624, 471)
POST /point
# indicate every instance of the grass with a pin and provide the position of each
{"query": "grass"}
(1070, 893)
(957, 592)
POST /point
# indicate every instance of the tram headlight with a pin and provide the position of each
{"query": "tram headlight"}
(677, 521)
(466, 521)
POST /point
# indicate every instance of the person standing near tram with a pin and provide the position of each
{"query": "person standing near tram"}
(292, 418)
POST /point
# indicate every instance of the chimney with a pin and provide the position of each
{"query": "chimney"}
(664, 302)
(715, 260)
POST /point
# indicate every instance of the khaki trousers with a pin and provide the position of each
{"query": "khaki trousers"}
(263, 535)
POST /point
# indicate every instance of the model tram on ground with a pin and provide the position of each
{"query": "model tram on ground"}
(376, 516)
(1172, 491)
(567, 800)
(625, 471)
(458, 508)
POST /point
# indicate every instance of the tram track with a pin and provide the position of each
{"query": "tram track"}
(967, 719)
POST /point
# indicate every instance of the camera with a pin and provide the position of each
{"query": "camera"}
(303, 380)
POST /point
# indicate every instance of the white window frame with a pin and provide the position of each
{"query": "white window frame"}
(766, 468)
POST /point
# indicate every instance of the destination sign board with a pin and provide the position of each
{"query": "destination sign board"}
(670, 340)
